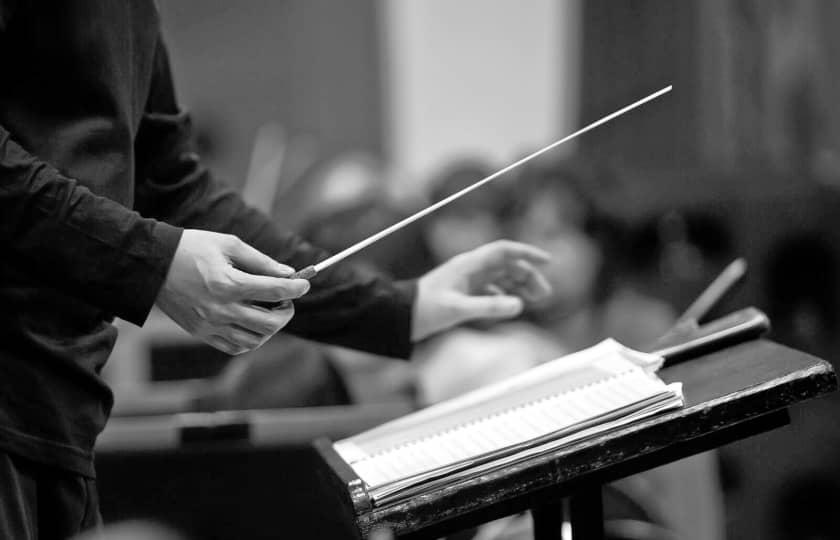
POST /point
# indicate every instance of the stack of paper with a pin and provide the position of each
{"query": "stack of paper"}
(546, 408)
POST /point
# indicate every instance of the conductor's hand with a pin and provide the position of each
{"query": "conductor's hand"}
(493, 281)
(213, 284)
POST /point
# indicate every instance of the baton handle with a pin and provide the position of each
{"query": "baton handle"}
(304, 273)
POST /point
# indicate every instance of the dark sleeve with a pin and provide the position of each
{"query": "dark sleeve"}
(77, 242)
(342, 308)
(6, 8)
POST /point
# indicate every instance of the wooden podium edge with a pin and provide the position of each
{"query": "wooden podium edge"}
(343, 479)
(769, 412)
(467, 496)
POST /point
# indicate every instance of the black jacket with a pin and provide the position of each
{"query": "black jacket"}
(97, 180)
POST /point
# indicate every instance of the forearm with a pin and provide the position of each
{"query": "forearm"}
(342, 308)
(76, 241)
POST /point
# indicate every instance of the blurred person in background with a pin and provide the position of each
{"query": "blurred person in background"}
(485, 355)
(593, 299)
(554, 206)
(558, 206)
(105, 210)
(467, 222)
(353, 201)
(559, 209)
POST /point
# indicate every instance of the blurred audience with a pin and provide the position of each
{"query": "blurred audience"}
(468, 222)
(400, 256)
(560, 211)
(553, 206)
(557, 206)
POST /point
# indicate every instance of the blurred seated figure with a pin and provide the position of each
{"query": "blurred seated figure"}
(550, 206)
(556, 207)
(467, 222)
(483, 356)
(399, 256)
(559, 211)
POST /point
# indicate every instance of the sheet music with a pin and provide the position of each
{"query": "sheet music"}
(556, 403)
(412, 486)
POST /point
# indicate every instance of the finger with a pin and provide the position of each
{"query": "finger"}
(240, 337)
(494, 289)
(224, 345)
(520, 277)
(489, 307)
(247, 336)
(504, 250)
(531, 284)
(263, 321)
(266, 288)
(254, 261)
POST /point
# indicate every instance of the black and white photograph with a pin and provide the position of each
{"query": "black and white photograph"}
(419, 269)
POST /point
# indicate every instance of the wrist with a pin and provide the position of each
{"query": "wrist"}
(166, 238)
(430, 314)
(418, 316)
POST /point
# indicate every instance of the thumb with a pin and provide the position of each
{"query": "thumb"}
(248, 259)
(490, 307)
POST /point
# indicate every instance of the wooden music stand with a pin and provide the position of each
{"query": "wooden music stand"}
(730, 395)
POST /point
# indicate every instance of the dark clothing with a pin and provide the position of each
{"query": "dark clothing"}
(39, 502)
(97, 180)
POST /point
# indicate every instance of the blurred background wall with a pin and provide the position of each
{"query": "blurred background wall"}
(314, 66)
(443, 104)
(385, 77)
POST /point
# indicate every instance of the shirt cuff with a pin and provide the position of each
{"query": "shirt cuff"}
(166, 238)
(400, 344)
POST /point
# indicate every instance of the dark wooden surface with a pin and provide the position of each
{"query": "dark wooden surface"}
(731, 394)
(209, 478)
